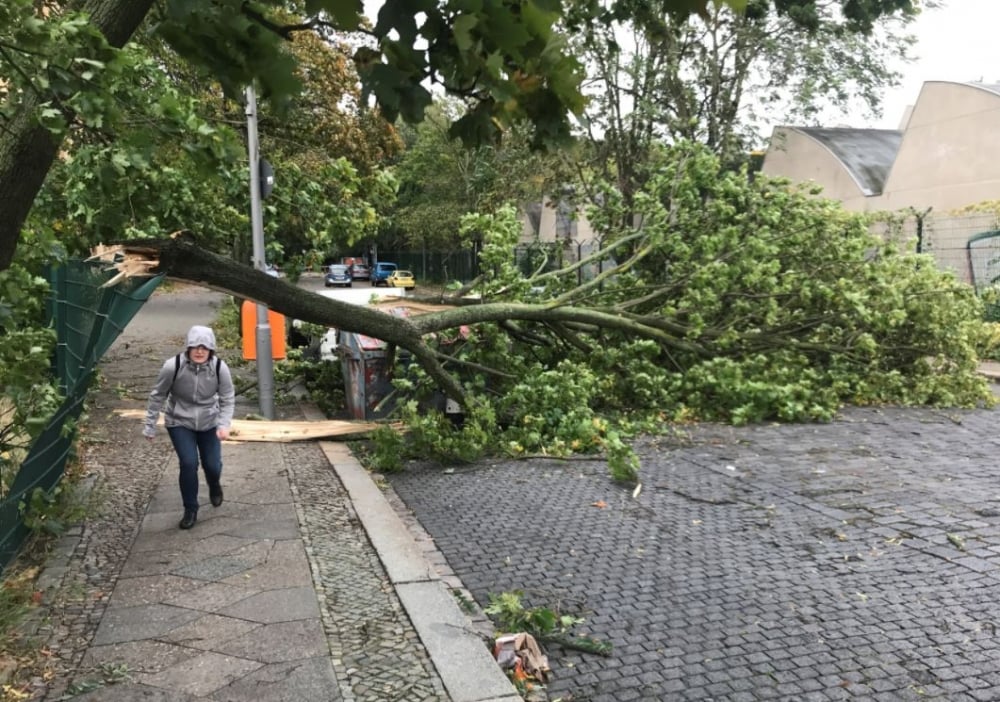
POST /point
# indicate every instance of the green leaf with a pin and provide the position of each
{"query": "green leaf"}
(463, 27)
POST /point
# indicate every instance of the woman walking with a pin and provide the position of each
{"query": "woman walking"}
(195, 391)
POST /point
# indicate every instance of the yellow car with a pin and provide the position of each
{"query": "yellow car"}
(401, 279)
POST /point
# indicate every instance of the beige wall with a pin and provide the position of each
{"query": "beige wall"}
(950, 155)
(548, 227)
(802, 159)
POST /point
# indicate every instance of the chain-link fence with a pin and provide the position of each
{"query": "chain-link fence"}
(87, 318)
(958, 243)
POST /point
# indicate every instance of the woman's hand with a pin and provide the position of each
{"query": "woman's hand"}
(222, 433)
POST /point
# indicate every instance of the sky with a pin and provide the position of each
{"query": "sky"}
(956, 42)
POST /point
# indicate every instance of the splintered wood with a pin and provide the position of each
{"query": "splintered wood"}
(130, 260)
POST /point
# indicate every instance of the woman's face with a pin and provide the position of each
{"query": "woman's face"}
(198, 354)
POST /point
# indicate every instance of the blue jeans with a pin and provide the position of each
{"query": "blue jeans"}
(189, 445)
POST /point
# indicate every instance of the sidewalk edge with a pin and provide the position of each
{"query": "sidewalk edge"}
(467, 670)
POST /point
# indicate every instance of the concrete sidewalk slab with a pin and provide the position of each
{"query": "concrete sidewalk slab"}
(222, 609)
(248, 605)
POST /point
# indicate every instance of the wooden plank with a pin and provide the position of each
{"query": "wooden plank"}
(282, 431)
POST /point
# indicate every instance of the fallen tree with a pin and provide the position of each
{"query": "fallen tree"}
(730, 299)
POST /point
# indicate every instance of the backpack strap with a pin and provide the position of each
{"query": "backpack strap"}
(177, 368)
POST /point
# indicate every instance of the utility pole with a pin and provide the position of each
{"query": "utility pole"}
(265, 359)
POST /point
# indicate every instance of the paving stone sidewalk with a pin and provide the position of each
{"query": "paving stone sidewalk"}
(858, 559)
(229, 609)
(300, 587)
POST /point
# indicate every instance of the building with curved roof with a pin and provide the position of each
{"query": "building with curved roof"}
(945, 156)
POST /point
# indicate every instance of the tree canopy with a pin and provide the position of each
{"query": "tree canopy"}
(655, 76)
(507, 59)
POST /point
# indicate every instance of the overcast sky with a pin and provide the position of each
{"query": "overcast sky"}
(956, 42)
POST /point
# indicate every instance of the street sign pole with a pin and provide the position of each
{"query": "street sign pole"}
(265, 359)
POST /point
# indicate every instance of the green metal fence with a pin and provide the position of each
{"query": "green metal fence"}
(434, 266)
(87, 319)
(982, 253)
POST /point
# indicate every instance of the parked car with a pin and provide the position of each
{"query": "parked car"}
(337, 274)
(381, 272)
(272, 270)
(401, 279)
(359, 271)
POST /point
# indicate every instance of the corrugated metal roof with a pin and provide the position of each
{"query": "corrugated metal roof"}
(867, 154)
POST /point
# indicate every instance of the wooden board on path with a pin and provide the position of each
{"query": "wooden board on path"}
(265, 430)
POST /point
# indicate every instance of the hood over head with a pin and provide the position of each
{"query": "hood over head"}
(201, 336)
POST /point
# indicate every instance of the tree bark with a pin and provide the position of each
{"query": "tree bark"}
(184, 260)
(27, 150)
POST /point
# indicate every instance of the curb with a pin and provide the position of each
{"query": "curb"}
(466, 667)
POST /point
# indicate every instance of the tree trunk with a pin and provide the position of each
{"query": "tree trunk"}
(185, 260)
(27, 149)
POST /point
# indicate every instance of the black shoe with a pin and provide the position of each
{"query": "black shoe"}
(215, 495)
(190, 517)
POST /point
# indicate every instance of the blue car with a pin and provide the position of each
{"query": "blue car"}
(338, 274)
(381, 272)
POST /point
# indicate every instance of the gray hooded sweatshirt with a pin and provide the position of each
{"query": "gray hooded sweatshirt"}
(195, 396)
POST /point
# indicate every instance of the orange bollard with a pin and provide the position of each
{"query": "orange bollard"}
(248, 327)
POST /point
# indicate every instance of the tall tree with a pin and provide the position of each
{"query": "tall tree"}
(61, 61)
(654, 75)
(440, 179)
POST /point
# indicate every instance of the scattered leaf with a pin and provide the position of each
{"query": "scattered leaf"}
(601, 504)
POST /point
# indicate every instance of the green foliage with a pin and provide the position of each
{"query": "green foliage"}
(59, 63)
(735, 301)
(106, 674)
(50, 513)
(388, 450)
(511, 616)
(323, 380)
(509, 50)
(990, 348)
(28, 395)
(544, 623)
(552, 412)
(716, 76)
(433, 435)
(167, 157)
(40, 511)
(441, 179)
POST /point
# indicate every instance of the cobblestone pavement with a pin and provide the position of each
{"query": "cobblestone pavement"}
(858, 559)
(377, 654)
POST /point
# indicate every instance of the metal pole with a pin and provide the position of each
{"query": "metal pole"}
(265, 360)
